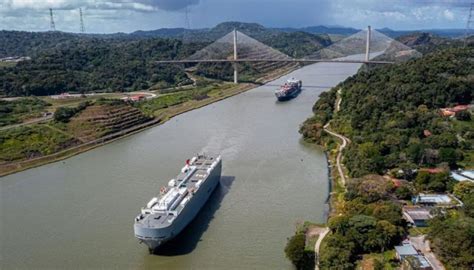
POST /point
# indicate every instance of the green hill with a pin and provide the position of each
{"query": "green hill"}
(386, 111)
(63, 62)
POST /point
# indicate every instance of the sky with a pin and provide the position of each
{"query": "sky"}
(108, 16)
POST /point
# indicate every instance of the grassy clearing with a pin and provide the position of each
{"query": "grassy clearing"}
(19, 110)
(7, 64)
(74, 102)
(159, 105)
(311, 241)
(386, 260)
(417, 231)
(31, 141)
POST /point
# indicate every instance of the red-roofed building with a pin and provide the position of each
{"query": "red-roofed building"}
(396, 182)
(134, 98)
(432, 170)
(460, 108)
(452, 111)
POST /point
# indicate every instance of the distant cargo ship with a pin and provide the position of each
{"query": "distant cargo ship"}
(289, 90)
(167, 215)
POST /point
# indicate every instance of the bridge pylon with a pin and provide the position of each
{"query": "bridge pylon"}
(367, 47)
(236, 75)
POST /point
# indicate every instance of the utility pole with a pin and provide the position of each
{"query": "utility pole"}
(470, 21)
(82, 29)
(367, 48)
(236, 78)
(52, 25)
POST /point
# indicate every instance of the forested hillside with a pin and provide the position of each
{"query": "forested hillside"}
(392, 114)
(97, 65)
(392, 117)
(63, 62)
(18, 43)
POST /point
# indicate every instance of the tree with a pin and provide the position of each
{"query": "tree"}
(63, 114)
(463, 116)
(464, 189)
(387, 234)
(404, 193)
(339, 224)
(452, 239)
(448, 155)
(370, 188)
(338, 254)
(438, 182)
(296, 253)
(388, 211)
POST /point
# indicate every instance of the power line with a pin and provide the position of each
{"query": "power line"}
(52, 25)
(470, 21)
(82, 29)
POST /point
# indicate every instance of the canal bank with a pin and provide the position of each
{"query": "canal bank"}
(165, 115)
(78, 213)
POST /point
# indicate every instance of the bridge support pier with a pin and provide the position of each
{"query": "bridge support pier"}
(367, 47)
(236, 75)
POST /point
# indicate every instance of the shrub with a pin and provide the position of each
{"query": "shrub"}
(296, 253)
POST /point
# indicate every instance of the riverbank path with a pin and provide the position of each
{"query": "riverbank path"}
(318, 244)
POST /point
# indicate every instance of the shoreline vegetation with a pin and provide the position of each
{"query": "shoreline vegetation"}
(394, 136)
(159, 116)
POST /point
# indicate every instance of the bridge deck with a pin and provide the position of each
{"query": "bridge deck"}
(274, 60)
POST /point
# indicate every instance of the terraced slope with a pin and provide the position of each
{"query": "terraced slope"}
(99, 120)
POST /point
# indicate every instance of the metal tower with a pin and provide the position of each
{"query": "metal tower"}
(470, 22)
(52, 25)
(187, 25)
(82, 29)
(186, 18)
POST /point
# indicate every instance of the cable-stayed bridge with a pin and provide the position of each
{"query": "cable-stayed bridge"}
(236, 47)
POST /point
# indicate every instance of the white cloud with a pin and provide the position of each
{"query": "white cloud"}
(136, 5)
(448, 14)
(130, 15)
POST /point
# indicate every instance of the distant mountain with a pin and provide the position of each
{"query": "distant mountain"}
(427, 42)
(447, 33)
(163, 32)
(17, 43)
(207, 34)
(294, 43)
(334, 30)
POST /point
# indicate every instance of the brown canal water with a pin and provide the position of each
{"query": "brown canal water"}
(79, 213)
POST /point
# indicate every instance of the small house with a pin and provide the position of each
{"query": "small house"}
(416, 262)
(417, 216)
(467, 175)
(405, 250)
(438, 200)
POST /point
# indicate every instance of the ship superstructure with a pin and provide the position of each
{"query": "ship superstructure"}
(289, 90)
(166, 215)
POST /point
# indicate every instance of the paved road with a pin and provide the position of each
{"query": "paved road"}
(318, 244)
(420, 244)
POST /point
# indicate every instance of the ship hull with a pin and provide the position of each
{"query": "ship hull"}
(290, 95)
(156, 237)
